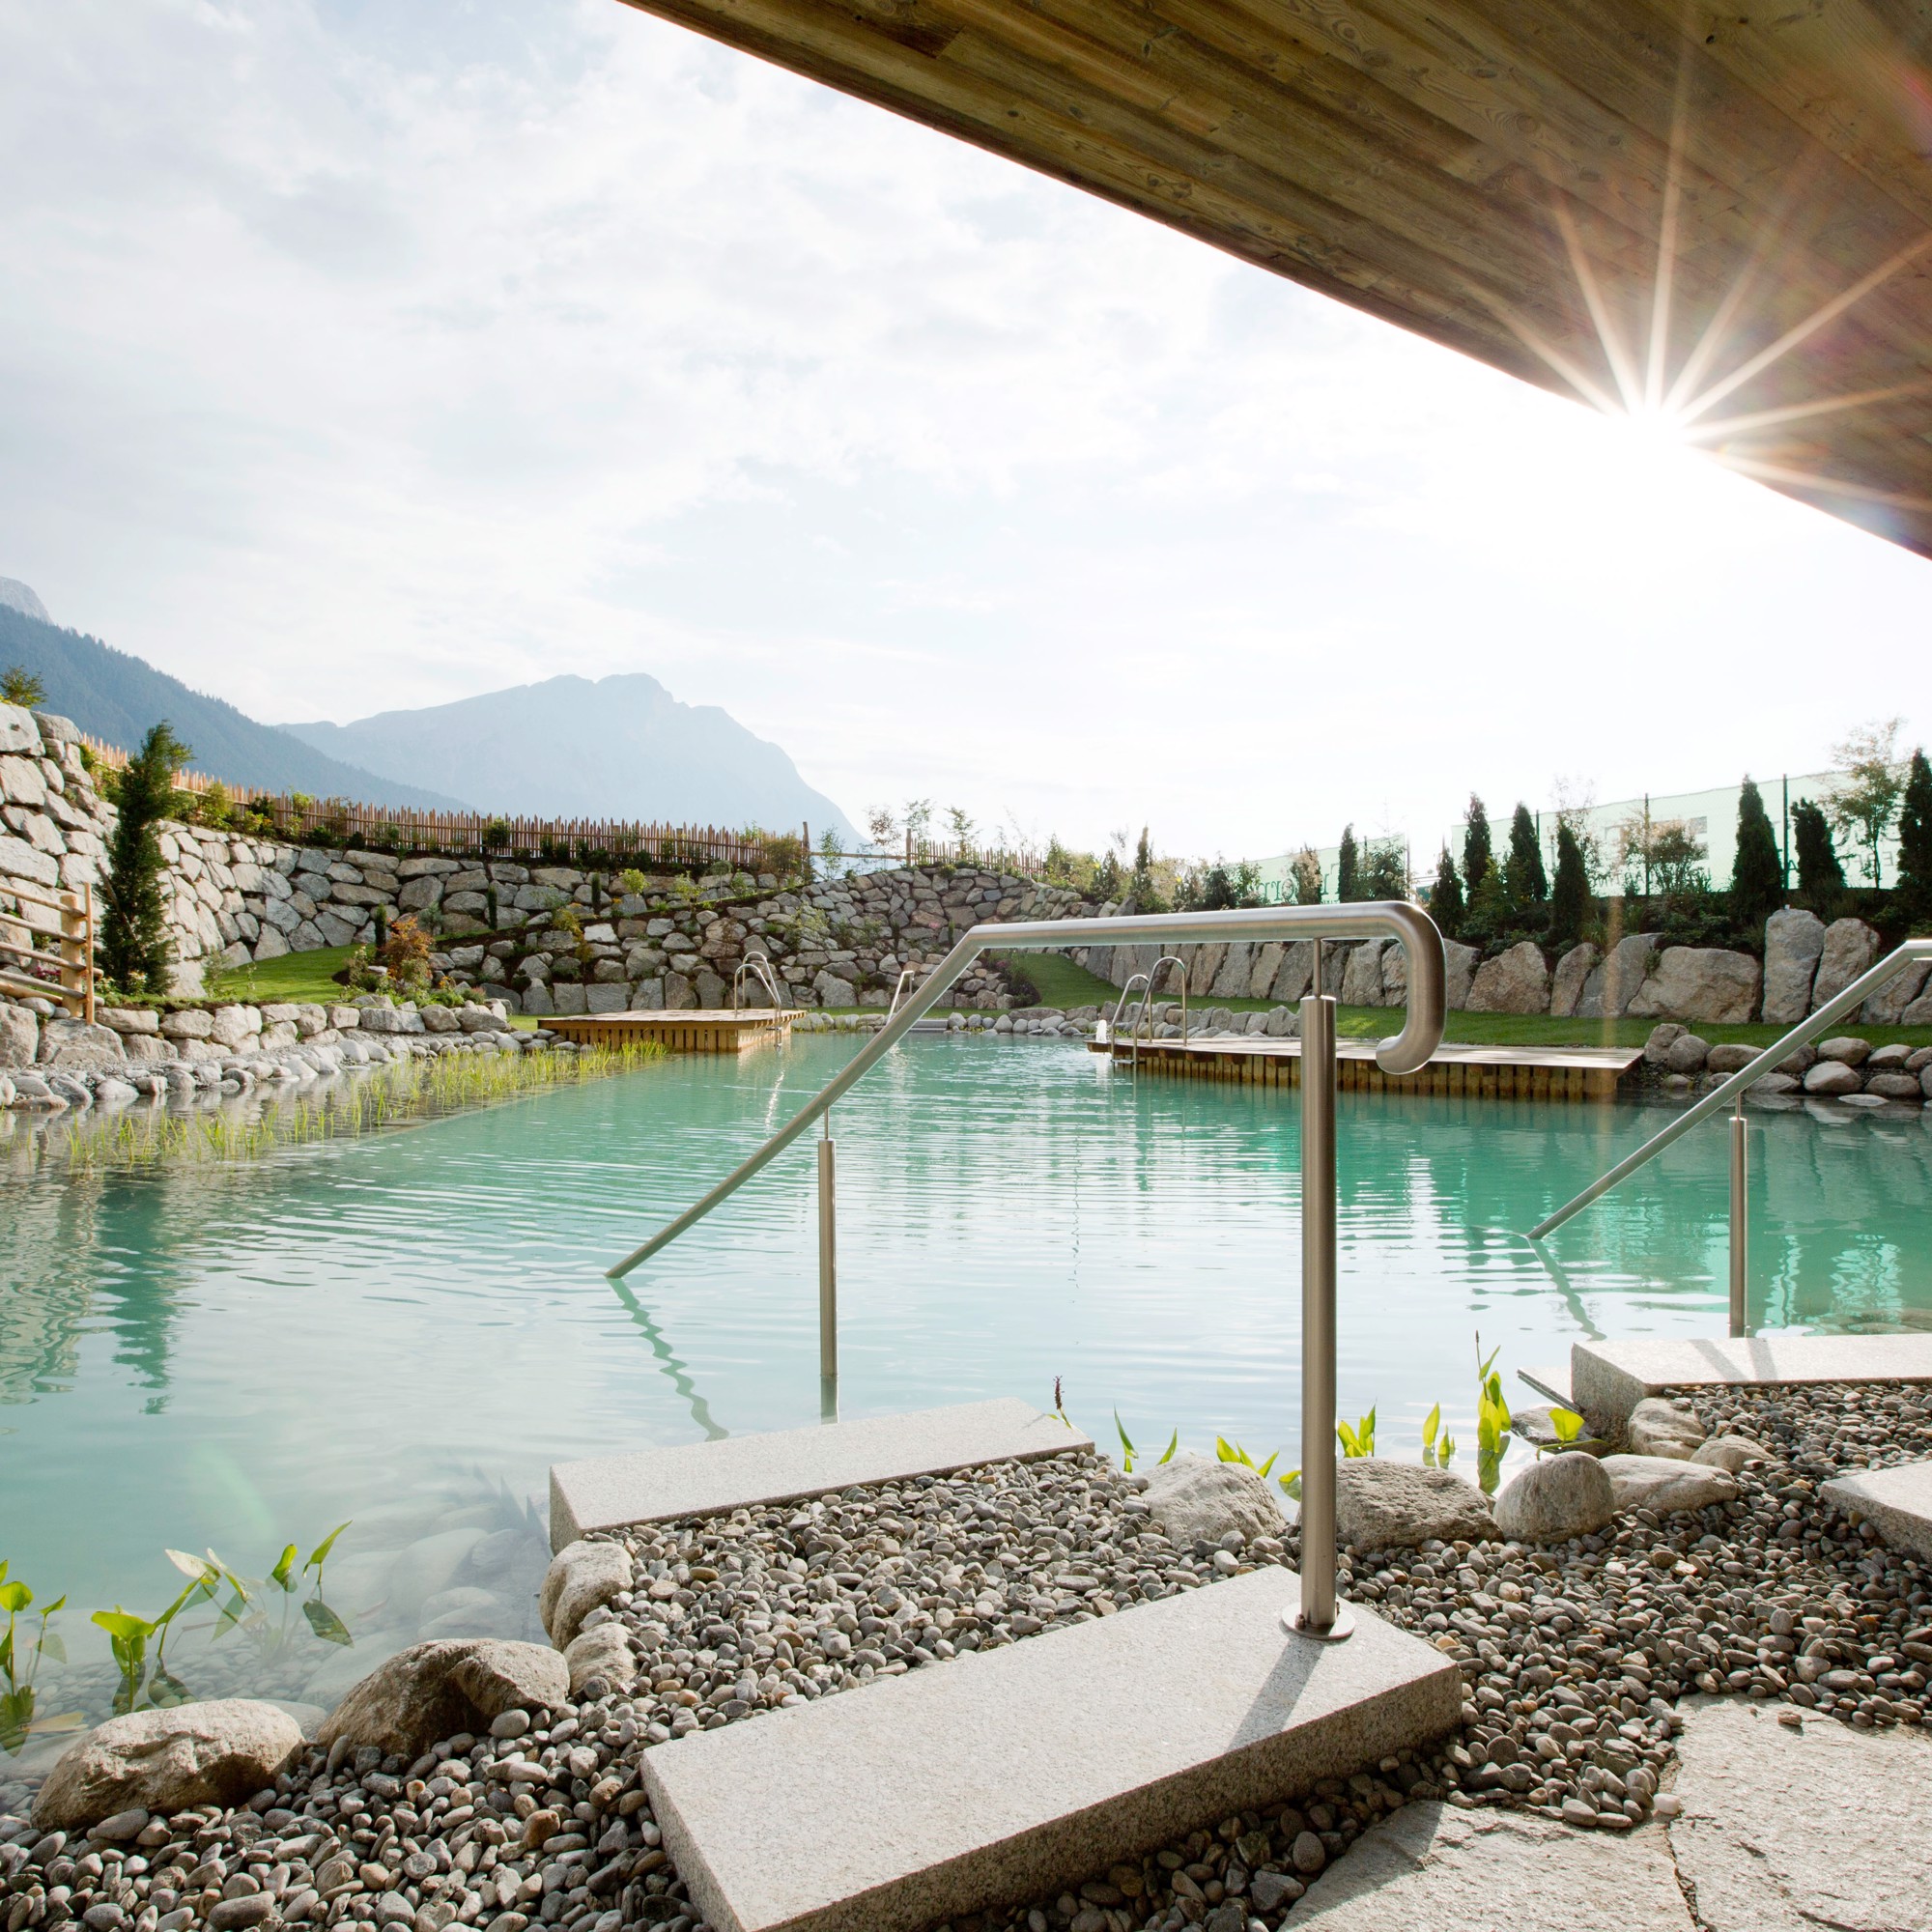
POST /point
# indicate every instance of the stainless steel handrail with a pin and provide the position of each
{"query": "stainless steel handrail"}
(1405, 1052)
(908, 976)
(757, 965)
(1732, 1089)
(1146, 1004)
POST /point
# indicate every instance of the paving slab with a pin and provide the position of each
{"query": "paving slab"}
(1005, 1774)
(699, 1478)
(1897, 1501)
(1432, 1868)
(1793, 1830)
(1552, 1383)
(1609, 1378)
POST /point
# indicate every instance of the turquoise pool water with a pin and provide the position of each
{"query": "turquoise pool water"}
(407, 1329)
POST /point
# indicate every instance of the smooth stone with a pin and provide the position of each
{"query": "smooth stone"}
(1660, 1428)
(219, 1753)
(604, 1652)
(1555, 1498)
(1665, 1483)
(1196, 1500)
(581, 1575)
(1388, 1505)
(433, 1691)
(1730, 1452)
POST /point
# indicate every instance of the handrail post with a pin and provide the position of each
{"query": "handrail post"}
(1317, 1614)
(828, 1276)
(1740, 1219)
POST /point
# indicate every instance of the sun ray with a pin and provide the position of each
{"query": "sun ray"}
(1666, 242)
(1824, 313)
(1810, 480)
(1614, 353)
(1796, 411)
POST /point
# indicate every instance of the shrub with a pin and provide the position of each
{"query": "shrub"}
(405, 952)
(1386, 874)
(134, 946)
(1757, 876)
(1445, 898)
(20, 686)
(1476, 846)
(1488, 917)
(1569, 895)
(495, 835)
(1821, 879)
(1915, 842)
(1305, 873)
(1524, 881)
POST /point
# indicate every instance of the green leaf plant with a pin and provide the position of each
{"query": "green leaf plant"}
(19, 1666)
(1493, 1420)
(1128, 1452)
(1438, 1446)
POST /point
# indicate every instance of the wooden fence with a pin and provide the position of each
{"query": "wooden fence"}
(605, 841)
(67, 974)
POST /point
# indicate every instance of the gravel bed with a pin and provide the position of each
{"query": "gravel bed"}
(1573, 1657)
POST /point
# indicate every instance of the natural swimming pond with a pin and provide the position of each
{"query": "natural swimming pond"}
(406, 1329)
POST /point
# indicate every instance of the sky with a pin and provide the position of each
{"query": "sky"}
(366, 353)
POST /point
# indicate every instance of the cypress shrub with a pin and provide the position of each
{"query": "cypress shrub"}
(1445, 898)
(1476, 846)
(1524, 876)
(1757, 878)
(1489, 916)
(1569, 895)
(1821, 879)
(1915, 841)
(134, 949)
(1347, 884)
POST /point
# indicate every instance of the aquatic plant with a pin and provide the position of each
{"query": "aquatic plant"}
(1128, 1452)
(1493, 1420)
(22, 1668)
(1436, 1449)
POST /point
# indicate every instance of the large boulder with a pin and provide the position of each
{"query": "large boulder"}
(433, 1691)
(1793, 940)
(217, 1753)
(1362, 983)
(1831, 1078)
(1555, 1498)
(1699, 983)
(1664, 1484)
(1198, 1501)
(1515, 982)
(75, 1043)
(1383, 1505)
(1850, 948)
(1612, 986)
(581, 1575)
(1459, 974)
(1567, 983)
(19, 1036)
(1660, 1428)
(1888, 1006)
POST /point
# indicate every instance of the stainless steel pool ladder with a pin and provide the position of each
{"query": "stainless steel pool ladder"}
(1731, 1094)
(1145, 1013)
(757, 965)
(1318, 1616)
(908, 976)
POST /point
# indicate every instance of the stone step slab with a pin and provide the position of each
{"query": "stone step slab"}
(701, 1478)
(1014, 1773)
(1896, 1501)
(1609, 1378)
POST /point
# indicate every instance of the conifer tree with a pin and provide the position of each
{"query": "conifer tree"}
(1524, 877)
(134, 948)
(1915, 841)
(1757, 874)
(1347, 866)
(1476, 846)
(1445, 896)
(1821, 879)
(1141, 887)
(1570, 895)
(1488, 914)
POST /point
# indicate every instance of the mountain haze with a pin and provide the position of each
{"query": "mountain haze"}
(618, 747)
(116, 697)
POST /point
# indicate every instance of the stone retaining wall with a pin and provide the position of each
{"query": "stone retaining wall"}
(1806, 964)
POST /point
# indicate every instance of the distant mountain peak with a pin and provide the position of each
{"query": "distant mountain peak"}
(573, 747)
(19, 596)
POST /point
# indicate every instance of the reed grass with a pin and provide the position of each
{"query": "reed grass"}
(399, 1094)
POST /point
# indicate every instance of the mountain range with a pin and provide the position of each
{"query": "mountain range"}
(116, 698)
(619, 747)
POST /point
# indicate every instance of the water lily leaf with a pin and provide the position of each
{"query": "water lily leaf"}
(325, 1623)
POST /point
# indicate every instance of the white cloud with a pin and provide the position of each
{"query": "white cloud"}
(362, 357)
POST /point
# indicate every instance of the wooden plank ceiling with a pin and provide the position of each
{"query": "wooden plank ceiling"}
(1532, 182)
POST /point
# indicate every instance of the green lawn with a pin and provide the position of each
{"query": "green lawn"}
(1061, 984)
(294, 977)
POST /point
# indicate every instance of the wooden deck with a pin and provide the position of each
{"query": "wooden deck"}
(1489, 1072)
(700, 1032)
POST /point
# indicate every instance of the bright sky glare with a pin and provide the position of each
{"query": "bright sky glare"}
(367, 354)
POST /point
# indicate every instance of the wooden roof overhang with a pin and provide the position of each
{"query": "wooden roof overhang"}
(1724, 217)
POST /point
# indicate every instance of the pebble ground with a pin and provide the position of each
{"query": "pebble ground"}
(1573, 1658)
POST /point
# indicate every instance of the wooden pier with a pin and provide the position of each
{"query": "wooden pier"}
(701, 1032)
(1488, 1073)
